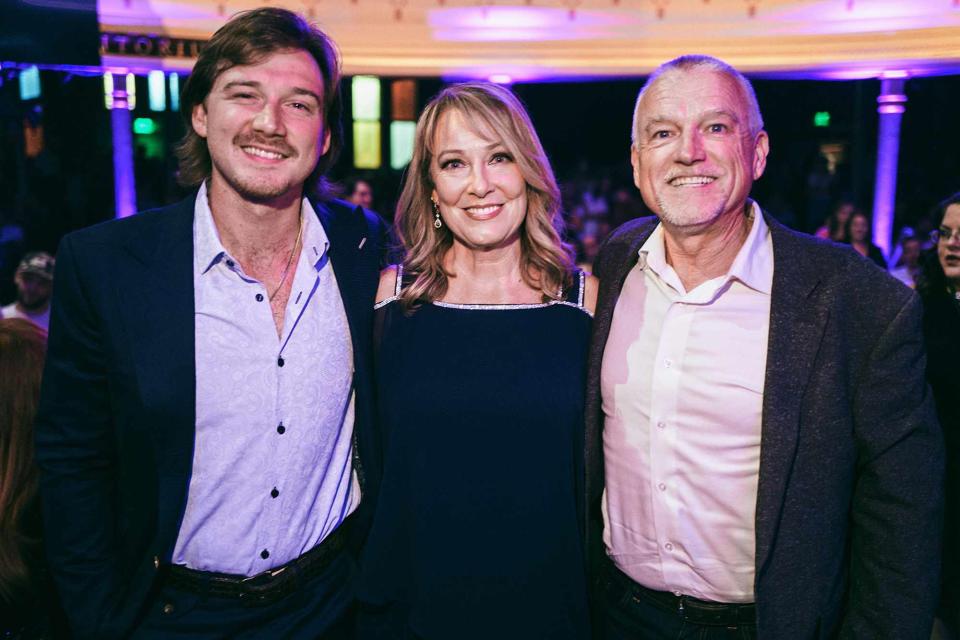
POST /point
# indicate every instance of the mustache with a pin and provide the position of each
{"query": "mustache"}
(277, 144)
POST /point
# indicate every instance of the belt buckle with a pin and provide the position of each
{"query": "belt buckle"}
(257, 589)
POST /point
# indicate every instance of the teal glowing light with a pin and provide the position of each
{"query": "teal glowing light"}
(174, 81)
(821, 119)
(401, 143)
(144, 126)
(157, 91)
(30, 83)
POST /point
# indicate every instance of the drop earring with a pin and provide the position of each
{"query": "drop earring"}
(437, 222)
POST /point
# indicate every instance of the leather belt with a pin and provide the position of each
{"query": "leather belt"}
(689, 608)
(266, 587)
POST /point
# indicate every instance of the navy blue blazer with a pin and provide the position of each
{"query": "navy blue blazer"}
(115, 425)
(849, 504)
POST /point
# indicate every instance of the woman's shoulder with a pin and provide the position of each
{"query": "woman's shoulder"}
(389, 279)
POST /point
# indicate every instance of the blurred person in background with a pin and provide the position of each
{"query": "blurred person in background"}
(907, 266)
(939, 289)
(34, 280)
(858, 234)
(623, 208)
(359, 192)
(28, 603)
(835, 226)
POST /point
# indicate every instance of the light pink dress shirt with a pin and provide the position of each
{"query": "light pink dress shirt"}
(682, 383)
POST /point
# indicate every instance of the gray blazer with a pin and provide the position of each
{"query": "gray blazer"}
(848, 517)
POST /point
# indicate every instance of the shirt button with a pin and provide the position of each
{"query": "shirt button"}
(668, 363)
(668, 547)
(168, 609)
(280, 361)
(662, 487)
(661, 425)
(264, 554)
(259, 297)
(274, 493)
(281, 429)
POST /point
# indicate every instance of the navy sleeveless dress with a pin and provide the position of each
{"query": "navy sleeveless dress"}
(476, 532)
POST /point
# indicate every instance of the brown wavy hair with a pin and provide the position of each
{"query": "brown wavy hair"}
(22, 350)
(496, 114)
(248, 38)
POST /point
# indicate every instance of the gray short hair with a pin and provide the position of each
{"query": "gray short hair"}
(691, 63)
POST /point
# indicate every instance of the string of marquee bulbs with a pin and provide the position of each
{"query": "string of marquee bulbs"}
(398, 6)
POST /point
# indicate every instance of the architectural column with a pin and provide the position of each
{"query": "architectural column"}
(890, 106)
(124, 181)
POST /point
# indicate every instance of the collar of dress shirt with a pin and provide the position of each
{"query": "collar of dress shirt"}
(208, 250)
(753, 264)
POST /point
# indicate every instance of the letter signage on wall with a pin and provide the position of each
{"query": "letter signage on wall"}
(148, 46)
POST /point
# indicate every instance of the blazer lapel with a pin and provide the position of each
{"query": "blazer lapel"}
(161, 329)
(619, 257)
(348, 241)
(797, 321)
(158, 307)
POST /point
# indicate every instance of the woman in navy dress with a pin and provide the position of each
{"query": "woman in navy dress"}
(482, 334)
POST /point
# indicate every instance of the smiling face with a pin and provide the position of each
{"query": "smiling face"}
(948, 245)
(264, 126)
(478, 186)
(695, 158)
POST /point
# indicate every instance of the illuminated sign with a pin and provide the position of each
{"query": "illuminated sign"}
(149, 46)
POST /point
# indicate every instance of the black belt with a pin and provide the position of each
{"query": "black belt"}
(689, 608)
(266, 587)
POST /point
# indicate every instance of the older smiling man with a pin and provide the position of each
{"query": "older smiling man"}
(762, 458)
(206, 401)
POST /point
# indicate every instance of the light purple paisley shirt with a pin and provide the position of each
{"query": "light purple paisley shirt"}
(272, 473)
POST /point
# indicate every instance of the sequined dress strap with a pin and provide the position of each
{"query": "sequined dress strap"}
(399, 286)
(575, 293)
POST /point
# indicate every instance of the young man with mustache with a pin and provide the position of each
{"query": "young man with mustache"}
(204, 431)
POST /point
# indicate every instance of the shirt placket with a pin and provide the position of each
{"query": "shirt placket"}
(273, 489)
(665, 481)
(281, 494)
(253, 292)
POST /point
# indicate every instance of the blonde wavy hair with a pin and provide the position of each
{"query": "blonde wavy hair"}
(496, 114)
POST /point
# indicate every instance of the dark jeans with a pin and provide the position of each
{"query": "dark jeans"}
(628, 616)
(320, 608)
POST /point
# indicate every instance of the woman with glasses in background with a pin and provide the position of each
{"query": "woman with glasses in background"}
(939, 288)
